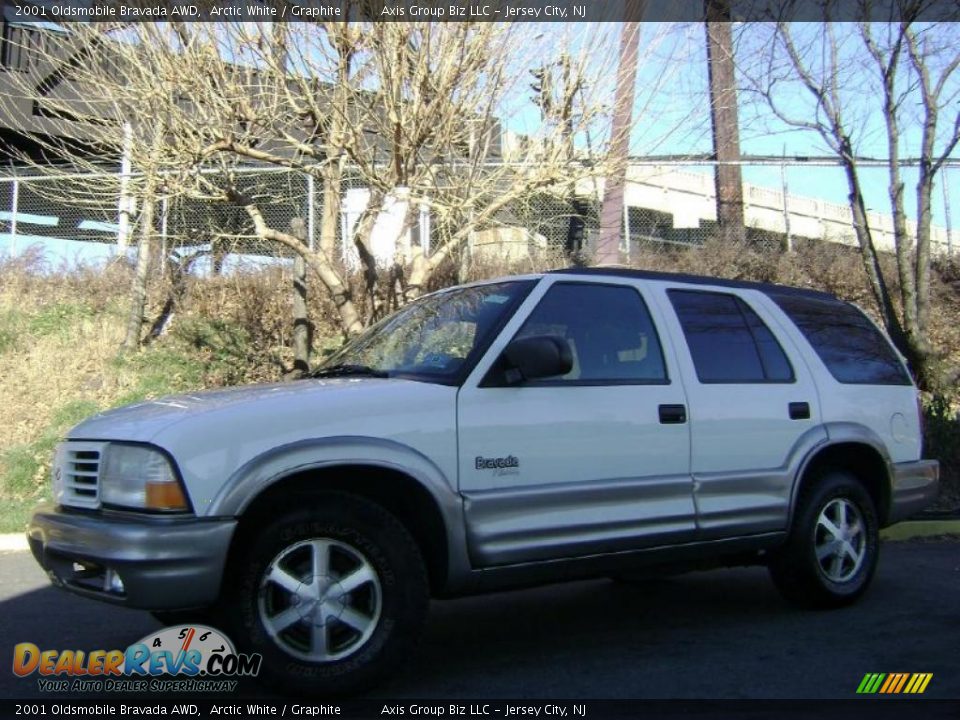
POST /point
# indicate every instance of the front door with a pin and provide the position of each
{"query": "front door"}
(594, 461)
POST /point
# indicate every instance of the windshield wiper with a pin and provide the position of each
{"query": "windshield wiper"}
(348, 369)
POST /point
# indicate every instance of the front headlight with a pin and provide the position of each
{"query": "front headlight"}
(139, 477)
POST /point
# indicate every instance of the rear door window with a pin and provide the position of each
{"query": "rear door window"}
(728, 341)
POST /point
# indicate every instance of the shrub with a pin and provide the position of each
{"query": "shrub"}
(942, 442)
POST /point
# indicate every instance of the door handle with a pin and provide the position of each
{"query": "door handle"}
(673, 414)
(799, 411)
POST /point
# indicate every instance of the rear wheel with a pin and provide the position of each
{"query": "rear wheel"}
(333, 594)
(831, 553)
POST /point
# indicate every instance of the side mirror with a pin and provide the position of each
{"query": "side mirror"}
(537, 357)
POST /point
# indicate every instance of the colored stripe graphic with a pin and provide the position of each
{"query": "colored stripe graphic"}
(891, 681)
(894, 683)
(927, 677)
(871, 683)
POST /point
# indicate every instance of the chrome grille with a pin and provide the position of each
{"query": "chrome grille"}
(76, 474)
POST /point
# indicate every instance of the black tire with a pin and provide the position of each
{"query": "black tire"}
(353, 534)
(843, 571)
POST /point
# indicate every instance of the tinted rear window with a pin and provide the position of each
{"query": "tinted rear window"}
(728, 342)
(851, 347)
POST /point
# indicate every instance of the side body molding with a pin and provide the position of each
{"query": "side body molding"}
(743, 503)
(251, 479)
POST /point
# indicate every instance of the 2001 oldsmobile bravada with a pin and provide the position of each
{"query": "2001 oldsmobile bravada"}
(524, 430)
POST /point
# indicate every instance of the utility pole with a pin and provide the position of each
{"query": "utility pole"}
(611, 213)
(723, 115)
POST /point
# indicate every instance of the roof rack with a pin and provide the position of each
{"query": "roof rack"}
(635, 274)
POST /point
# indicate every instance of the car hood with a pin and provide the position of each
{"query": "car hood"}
(143, 421)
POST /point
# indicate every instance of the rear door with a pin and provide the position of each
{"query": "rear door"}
(590, 462)
(751, 397)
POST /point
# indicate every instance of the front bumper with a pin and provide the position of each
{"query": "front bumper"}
(162, 563)
(915, 486)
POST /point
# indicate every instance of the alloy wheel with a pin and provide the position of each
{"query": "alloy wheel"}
(840, 540)
(320, 600)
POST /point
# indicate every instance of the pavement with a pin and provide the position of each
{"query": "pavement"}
(708, 635)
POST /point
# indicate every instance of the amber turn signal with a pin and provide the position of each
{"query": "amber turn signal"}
(165, 496)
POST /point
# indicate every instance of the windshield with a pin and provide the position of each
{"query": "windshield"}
(435, 338)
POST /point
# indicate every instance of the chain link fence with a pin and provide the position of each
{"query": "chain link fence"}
(668, 205)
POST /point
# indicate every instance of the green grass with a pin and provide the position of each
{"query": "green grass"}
(57, 318)
(160, 371)
(15, 514)
(921, 528)
(25, 469)
(10, 329)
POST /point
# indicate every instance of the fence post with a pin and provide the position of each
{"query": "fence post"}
(946, 210)
(14, 205)
(164, 214)
(425, 228)
(311, 211)
(626, 229)
(123, 207)
(786, 209)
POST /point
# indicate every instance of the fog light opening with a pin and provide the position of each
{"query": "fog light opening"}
(112, 583)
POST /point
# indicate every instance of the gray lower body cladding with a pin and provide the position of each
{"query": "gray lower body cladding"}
(140, 562)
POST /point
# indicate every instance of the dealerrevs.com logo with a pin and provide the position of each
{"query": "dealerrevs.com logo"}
(193, 658)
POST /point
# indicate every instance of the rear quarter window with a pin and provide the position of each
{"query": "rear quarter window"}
(848, 343)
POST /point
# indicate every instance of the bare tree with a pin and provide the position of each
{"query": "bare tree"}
(416, 112)
(847, 83)
(413, 112)
(98, 94)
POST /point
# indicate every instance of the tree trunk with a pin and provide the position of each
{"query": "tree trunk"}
(903, 244)
(302, 328)
(362, 233)
(348, 315)
(871, 263)
(908, 341)
(138, 293)
(330, 212)
(922, 257)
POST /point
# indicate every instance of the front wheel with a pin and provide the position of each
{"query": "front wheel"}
(333, 594)
(831, 553)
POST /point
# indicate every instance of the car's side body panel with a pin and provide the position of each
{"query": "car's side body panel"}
(563, 520)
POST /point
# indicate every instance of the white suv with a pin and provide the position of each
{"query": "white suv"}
(525, 430)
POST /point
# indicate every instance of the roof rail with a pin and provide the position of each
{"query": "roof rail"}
(693, 280)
